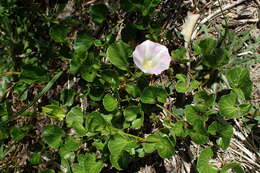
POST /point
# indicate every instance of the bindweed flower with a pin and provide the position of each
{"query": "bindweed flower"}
(151, 57)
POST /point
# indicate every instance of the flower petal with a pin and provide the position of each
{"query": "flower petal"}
(151, 57)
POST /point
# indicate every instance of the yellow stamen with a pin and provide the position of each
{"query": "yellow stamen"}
(148, 64)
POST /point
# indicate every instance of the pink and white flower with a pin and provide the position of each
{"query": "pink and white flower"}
(151, 57)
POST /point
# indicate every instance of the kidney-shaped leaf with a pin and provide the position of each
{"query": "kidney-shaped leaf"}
(88, 164)
(225, 131)
(95, 122)
(203, 162)
(236, 168)
(119, 147)
(240, 78)
(230, 105)
(118, 54)
(110, 103)
(162, 144)
(53, 134)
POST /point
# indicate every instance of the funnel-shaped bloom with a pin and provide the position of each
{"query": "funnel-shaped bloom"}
(151, 57)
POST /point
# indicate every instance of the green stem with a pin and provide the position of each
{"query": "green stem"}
(133, 136)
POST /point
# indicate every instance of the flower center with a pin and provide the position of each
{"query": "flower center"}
(148, 64)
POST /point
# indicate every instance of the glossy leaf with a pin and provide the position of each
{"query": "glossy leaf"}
(118, 54)
(95, 122)
(204, 100)
(199, 132)
(192, 115)
(59, 33)
(36, 158)
(224, 130)
(18, 133)
(87, 164)
(119, 147)
(178, 129)
(236, 168)
(231, 108)
(203, 165)
(54, 111)
(53, 134)
(31, 74)
(180, 55)
(67, 97)
(133, 90)
(163, 145)
(152, 94)
(70, 145)
(110, 103)
(183, 86)
(134, 115)
(240, 78)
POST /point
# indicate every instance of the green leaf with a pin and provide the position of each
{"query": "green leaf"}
(32, 74)
(131, 113)
(138, 123)
(21, 89)
(152, 94)
(3, 85)
(87, 164)
(240, 78)
(230, 107)
(48, 171)
(192, 114)
(204, 100)
(217, 59)
(203, 162)
(3, 152)
(206, 47)
(163, 145)
(224, 130)
(67, 97)
(134, 115)
(148, 95)
(199, 132)
(111, 77)
(74, 115)
(98, 13)
(88, 73)
(118, 54)
(211, 55)
(53, 134)
(180, 55)
(119, 147)
(133, 90)
(54, 111)
(74, 119)
(95, 122)
(148, 6)
(236, 168)
(83, 42)
(59, 33)
(182, 86)
(70, 145)
(178, 129)
(110, 103)
(18, 133)
(36, 158)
